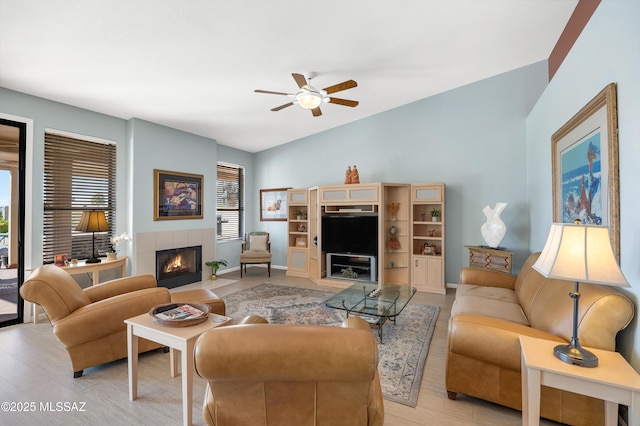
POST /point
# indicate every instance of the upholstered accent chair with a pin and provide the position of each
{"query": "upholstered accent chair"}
(256, 249)
(264, 374)
(90, 322)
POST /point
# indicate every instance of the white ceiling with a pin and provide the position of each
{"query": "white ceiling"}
(194, 64)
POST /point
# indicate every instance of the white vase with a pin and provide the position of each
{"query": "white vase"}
(494, 229)
(112, 256)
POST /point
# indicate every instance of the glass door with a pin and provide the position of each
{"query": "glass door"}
(12, 178)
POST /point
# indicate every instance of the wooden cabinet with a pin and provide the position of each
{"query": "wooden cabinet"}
(428, 236)
(411, 246)
(298, 232)
(427, 274)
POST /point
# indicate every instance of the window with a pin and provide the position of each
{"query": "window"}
(78, 175)
(230, 201)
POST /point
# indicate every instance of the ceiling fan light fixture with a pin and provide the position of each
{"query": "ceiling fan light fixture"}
(309, 100)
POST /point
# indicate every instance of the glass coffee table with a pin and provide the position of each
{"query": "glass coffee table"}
(372, 302)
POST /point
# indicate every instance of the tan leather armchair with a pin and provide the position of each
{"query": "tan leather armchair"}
(256, 249)
(290, 375)
(90, 322)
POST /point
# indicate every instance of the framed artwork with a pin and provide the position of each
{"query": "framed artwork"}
(585, 167)
(301, 242)
(177, 195)
(273, 204)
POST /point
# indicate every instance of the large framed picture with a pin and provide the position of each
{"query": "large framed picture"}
(177, 195)
(585, 167)
(273, 204)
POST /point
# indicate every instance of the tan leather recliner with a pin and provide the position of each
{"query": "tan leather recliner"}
(90, 322)
(290, 375)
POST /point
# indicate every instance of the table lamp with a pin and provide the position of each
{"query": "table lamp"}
(580, 253)
(93, 221)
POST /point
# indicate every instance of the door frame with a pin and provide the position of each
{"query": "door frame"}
(25, 190)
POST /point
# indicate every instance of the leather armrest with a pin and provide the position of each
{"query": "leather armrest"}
(120, 286)
(485, 277)
(355, 322)
(106, 317)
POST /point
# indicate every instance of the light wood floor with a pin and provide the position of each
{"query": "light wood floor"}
(35, 372)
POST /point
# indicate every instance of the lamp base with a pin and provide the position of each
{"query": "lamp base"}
(575, 354)
(93, 260)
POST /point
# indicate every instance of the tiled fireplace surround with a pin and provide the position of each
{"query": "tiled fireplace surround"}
(147, 243)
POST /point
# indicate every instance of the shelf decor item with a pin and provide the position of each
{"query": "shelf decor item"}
(579, 253)
(393, 231)
(435, 214)
(393, 209)
(494, 229)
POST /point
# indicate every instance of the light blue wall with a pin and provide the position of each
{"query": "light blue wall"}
(153, 146)
(471, 138)
(608, 50)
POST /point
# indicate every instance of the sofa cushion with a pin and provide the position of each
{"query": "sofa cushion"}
(494, 302)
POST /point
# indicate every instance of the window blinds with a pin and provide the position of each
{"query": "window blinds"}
(230, 202)
(78, 175)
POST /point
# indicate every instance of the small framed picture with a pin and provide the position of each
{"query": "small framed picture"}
(301, 242)
(61, 259)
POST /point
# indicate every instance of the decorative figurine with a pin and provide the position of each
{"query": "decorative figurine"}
(355, 176)
(347, 175)
(494, 229)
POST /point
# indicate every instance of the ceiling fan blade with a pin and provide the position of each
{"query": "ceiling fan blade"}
(269, 92)
(300, 79)
(345, 102)
(316, 112)
(349, 84)
(282, 107)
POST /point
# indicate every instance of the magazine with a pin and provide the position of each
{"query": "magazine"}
(178, 312)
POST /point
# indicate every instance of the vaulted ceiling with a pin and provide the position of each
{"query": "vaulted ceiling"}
(194, 65)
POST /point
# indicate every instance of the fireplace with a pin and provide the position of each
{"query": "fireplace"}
(179, 266)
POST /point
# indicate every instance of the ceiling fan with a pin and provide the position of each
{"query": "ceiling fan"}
(311, 98)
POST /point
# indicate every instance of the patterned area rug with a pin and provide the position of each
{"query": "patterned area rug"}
(402, 354)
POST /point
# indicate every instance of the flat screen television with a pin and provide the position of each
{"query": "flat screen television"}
(350, 234)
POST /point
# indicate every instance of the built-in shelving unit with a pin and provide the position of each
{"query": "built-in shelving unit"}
(428, 237)
(410, 245)
(298, 232)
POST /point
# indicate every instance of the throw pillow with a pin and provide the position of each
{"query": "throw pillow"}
(258, 242)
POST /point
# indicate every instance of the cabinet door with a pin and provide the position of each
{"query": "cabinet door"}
(297, 262)
(419, 273)
(427, 274)
(426, 193)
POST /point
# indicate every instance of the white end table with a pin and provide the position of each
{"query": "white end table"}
(182, 339)
(613, 380)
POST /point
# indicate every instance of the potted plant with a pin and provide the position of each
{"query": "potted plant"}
(215, 265)
(435, 213)
(299, 213)
(112, 251)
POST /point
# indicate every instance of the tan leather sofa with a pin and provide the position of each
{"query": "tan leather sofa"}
(90, 322)
(492, 309)
(290, 375)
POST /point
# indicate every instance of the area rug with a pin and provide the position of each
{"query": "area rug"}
(402, 354)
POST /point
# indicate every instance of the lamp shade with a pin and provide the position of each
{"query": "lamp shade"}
(93, 221)
(580, 253)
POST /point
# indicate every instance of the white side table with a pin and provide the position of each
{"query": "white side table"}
(613, 380)
(182, 339)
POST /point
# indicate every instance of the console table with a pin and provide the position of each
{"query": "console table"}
(93, 268)
(490, 258)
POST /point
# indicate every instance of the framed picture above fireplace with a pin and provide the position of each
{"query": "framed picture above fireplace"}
(177, 195)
